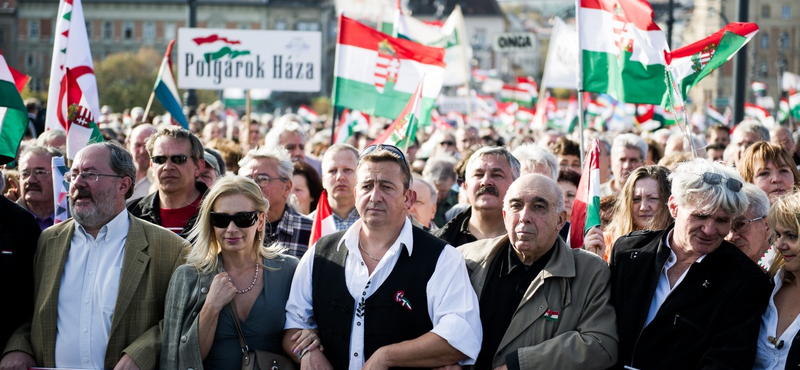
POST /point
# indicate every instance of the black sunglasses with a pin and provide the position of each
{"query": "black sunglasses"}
(712, 178)
(241, 220)
(177, 159)
(391, 148)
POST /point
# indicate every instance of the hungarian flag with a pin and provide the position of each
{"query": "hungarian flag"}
(783, 110)
(715, 117)
(693, 62)
(529, 84)
(586, 208)
(167, 92)
(571, 116)
(375, 73)
(754, 111)
(759, 88)
(70, 50)
(517, 94)
(622, 50)
(403, 130)
(323, 220)
(794, 105)
(81, 128)
(351, 122)
(13, 115)
(307, 113)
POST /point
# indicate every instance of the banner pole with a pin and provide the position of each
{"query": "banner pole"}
(581, 113)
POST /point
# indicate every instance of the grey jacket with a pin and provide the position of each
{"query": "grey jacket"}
(180, 347)
(574, 287)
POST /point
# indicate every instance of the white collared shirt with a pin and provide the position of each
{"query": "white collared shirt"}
(88, 294)
(663, 290)
(452, 303)
(768, 356)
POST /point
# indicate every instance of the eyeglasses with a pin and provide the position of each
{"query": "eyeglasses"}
(391, 148)
(741, 226)
(241, 220)
(264, 180)
(177, 159)
(448, 143)
(712, 178)
(86, 176)
(38, 172)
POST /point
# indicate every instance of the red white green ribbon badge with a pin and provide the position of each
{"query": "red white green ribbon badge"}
(551, 315)
(398, 297)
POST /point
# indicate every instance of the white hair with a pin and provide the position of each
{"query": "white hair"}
(276, 153)
(287, 123)
(688, 187)
(529, 155)
(632, 141)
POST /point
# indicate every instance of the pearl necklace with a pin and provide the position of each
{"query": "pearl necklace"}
(251, 284)
(365, 251)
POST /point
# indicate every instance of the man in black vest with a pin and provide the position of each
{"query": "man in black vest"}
(383, 294)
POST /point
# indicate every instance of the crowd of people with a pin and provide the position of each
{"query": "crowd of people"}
(187, 246)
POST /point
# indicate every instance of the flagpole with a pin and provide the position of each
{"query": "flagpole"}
(149, 104)
(247, 110)
(335, 69)
(581, 113)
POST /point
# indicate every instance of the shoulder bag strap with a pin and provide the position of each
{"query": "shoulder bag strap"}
(235, 317)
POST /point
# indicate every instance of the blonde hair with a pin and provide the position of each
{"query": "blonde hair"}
(205, 247)
(785, 212)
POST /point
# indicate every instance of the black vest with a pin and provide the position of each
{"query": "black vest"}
(389, 320)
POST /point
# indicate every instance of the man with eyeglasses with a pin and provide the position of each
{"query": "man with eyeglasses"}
(272, 169)
(750, 232)
(100, 278)
(177, 159)
(384, 294)
(686, 298)
(36, 183)
(628, 152)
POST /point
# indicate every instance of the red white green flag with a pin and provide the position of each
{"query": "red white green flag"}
(622, 50)
(755, 111)
(403, 130)
(323, 220)
(715, 117)
(693, 62)
(13, 115)
(307, 114)
(586, 208)
(376, 73)
(517, 94)
(81, 127)
(351, 122)
(794, 104)
(759, 88)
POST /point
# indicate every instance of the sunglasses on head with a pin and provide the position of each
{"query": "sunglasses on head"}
(391, 148)
(177, 159)
(712, 178)
(241, 219)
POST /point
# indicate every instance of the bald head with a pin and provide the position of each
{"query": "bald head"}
(542, 184)
(533, 213)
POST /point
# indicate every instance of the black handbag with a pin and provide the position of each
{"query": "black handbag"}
(254, 359)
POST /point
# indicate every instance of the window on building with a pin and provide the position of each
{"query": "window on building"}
(149, 31)
(2, 36)
(169, 31)
(30, 60)
(127, 30)
(786, 12)
(764, 41)
(108, 30)
(280, 24)
(765, 11)
(307, 26)
(33, 29)
(244, 26)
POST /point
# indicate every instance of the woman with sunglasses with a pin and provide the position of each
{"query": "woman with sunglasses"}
(228, 268)
(778, 345)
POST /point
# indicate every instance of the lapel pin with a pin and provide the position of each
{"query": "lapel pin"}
(706, 284)
(399, 298)
(551, 315)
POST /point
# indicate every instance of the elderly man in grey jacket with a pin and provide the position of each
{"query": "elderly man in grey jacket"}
(541, 303)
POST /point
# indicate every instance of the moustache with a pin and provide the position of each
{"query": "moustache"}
(489, 189)
(36, 187)
(81, 193)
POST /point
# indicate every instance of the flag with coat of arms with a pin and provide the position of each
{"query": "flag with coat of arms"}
(376, 73)
(81, 127)
(403, 130)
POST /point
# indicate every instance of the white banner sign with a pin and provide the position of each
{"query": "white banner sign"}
(561, 67)
(518, 41)
(215, 59)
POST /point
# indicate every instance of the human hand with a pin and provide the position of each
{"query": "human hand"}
(377, 361)
(221, 292)
(305, 340)
(126, 363)
(17, 360)
(315, 360)
(594, 241)
(449, 367)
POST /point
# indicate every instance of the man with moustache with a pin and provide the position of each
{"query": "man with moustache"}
(100, 277)
(541, 302)
(490, 171)
(383, 294)
(177, 159)
(339, 179)
(36, 183)
(686, 298)
(137, 146)
(628, 152)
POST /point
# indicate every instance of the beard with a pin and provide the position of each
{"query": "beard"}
(99, 214)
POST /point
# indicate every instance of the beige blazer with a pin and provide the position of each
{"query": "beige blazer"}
(152, 253)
